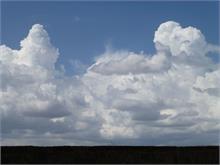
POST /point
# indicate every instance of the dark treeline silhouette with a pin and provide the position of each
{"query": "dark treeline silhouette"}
(109, 154)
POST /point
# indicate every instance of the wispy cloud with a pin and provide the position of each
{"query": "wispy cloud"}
(76, 19)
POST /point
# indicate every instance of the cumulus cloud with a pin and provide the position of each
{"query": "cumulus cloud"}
(123, 62)
(168, 98)
(36, 51)
(189, 41)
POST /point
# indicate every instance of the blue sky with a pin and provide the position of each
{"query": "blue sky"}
(81, 30)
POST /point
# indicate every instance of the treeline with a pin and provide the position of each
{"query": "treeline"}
(109, 154)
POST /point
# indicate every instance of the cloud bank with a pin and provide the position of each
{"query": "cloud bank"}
(124, 98)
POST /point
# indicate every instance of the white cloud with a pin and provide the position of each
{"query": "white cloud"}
(189, 41)
(36, 49)
(169, 98)
(123, 62)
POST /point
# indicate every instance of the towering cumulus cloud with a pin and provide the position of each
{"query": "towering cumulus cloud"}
(124, 98)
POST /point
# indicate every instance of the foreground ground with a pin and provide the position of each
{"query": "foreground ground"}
(109, 154)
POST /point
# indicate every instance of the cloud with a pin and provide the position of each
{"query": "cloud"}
(124, 62)
(76, 18)
(78, 66)
(188, 41)
(36, 49)
(168, 98)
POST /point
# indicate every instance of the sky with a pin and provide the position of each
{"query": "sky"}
(84, 30)
(110, 73)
